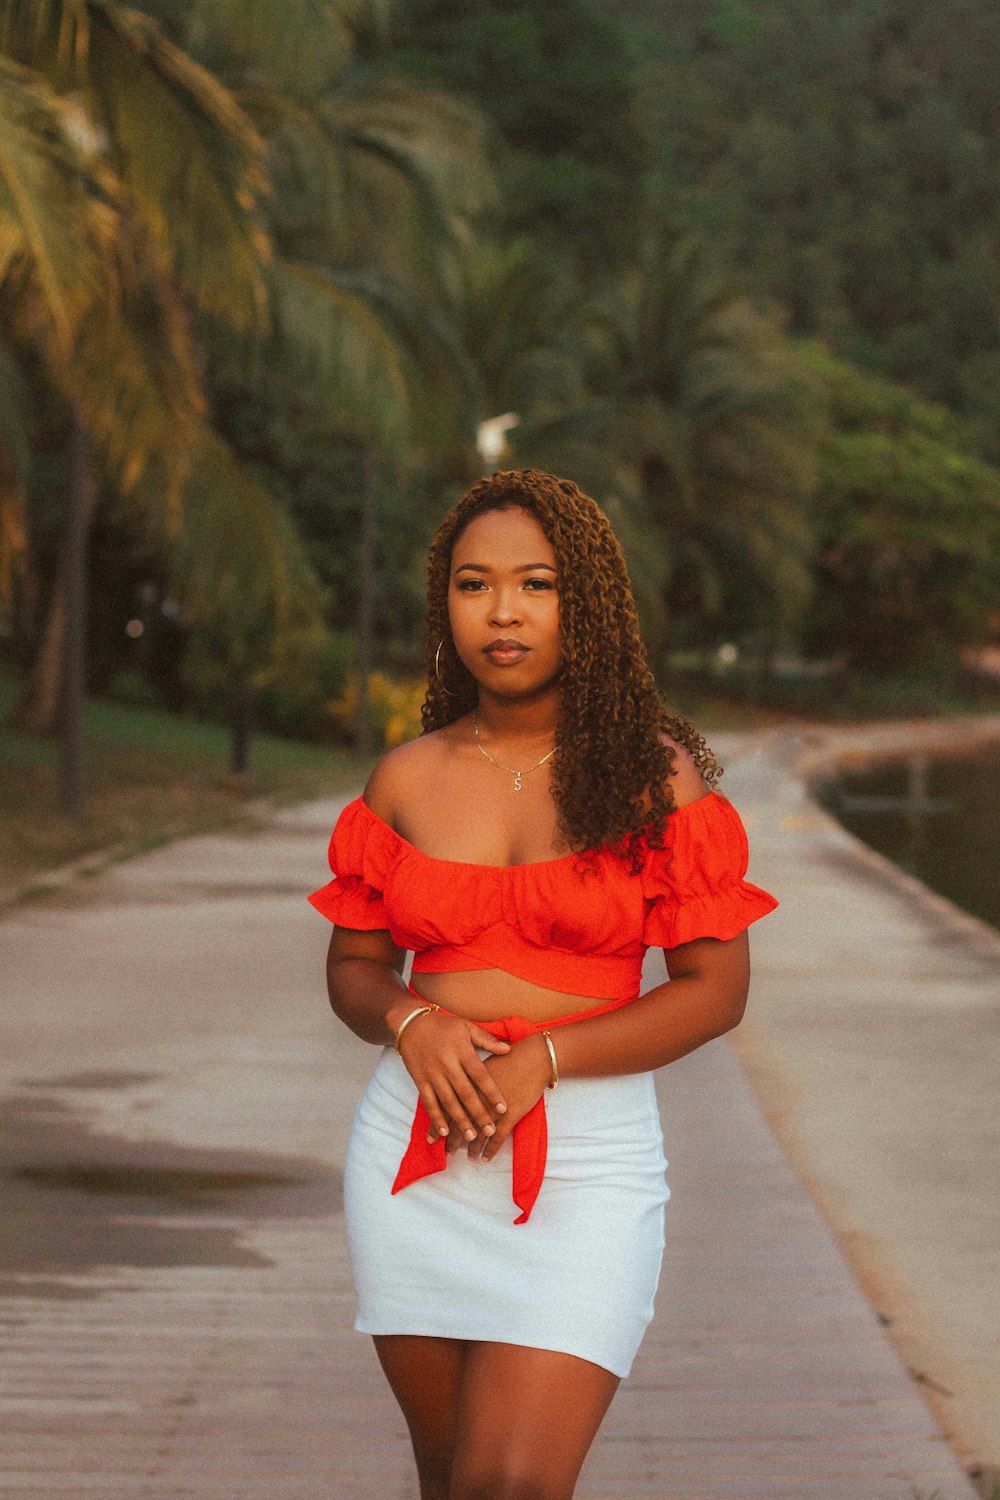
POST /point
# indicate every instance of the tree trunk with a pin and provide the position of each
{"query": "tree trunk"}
(39, 708)
(364, 737)
(74, 633)
(242, 728)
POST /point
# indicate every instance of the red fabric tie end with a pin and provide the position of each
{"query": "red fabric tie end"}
(529, 1139)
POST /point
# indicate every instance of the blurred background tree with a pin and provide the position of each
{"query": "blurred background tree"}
(848, 158)
(268, 269)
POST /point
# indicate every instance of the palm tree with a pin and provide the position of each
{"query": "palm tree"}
(184, 163)
(151, 160)
(698, 430)
(86, 310)
(376, 182)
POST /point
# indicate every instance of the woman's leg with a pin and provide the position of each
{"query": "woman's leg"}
(426, 1379)
(526, 1419)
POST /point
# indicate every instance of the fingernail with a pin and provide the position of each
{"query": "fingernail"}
(470, 1135)
(489, 1130)
(501, 1109)
(443, 1130)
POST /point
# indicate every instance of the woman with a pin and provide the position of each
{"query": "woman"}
(550, 823)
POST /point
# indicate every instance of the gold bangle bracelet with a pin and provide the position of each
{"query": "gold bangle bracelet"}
(554, 1080)
(421, 1010)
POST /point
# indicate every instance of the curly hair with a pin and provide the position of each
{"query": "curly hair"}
(610, 775)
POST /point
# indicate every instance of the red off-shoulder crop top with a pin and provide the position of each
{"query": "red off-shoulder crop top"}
(583, 932)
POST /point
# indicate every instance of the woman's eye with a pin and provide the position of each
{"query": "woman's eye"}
(475, 585)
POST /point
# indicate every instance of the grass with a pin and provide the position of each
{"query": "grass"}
(150, 777)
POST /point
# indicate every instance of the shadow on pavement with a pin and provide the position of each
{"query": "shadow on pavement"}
(76, 1200)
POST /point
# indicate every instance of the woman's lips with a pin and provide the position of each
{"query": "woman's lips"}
(506, 656)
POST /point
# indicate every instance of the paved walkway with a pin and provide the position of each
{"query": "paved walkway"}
(872, 1044)
(174, 1103)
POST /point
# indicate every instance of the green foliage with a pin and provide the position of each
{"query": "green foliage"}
(908, 528)
(292, 441)
(848, 157)
(141, 224)
(395, 707)
(257, 248)
(553, 77)
(299, 704)
(255, 606)
(697, 430)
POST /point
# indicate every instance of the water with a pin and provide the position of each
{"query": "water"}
(936, 819)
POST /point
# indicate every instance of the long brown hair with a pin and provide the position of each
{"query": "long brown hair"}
(610, 775)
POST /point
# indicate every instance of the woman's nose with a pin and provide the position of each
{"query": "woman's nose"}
(504, 606)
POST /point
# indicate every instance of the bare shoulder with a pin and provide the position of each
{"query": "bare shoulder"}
(686, 782)
(400, 771)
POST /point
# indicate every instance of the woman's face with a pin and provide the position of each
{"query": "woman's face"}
(503, 603)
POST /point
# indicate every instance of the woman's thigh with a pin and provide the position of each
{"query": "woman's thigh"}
(525, 1421)
(425, 1376)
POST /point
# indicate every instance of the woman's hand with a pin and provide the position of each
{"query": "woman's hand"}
(523, 1075)
(459, 1094)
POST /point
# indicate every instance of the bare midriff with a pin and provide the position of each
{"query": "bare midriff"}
(491, 994)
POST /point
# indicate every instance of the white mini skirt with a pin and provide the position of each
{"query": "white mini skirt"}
(443, 1257)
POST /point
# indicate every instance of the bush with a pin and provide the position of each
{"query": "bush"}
(300, 706)
(395, 708)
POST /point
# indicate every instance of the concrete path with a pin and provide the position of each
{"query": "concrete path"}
(872, 1043)
(174, 1103)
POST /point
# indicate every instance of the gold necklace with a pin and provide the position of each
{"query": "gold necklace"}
(516, 774)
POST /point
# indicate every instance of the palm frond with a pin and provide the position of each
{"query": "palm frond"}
(187, 153)
(241, 570)
(335, 334)
(191, 159)
(300, 46)
(56, 224)
(134, 378)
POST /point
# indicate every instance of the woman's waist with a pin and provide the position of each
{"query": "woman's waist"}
(490, 996)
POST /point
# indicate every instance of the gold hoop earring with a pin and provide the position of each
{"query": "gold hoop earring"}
(437, 670)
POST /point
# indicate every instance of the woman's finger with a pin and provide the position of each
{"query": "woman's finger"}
(486, 1039)
(495, 1141)
(479, 1112)
(439, 1122)
(453, 1107)
(487, 1086)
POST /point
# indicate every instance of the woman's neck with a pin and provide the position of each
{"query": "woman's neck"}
(524, 721)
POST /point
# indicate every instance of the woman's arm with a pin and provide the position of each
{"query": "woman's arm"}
(363, 980)
(363, 973)
(704, 998)
(439, 1050)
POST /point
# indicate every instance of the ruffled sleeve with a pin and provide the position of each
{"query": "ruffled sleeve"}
(695, 886)
(361, 853)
